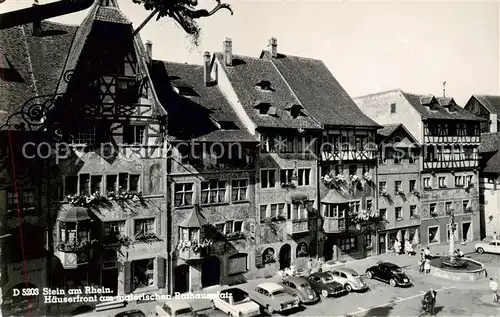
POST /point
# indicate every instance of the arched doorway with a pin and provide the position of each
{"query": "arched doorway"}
(328, 249)
(181, 278)
(210, 271)
(285, 256)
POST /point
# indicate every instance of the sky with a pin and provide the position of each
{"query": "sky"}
(368, 46)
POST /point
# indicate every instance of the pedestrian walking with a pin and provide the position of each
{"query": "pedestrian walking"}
(494, 235)
(494, 289)
(427, 266)
(421, 261)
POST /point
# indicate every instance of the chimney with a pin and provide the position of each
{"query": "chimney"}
(37, 23)
(272, 46)
(228, 52)
(493, 122)
(206, 68)
(149, 51)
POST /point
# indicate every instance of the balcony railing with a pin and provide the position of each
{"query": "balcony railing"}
(452, 139)
(333, 225)
(297, 226)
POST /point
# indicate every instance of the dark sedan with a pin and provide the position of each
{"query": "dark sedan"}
(299, 288)
(323, 283)
(131, 313)
(389, 273)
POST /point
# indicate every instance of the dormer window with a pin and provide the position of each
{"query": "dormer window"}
(185, 91)
(263, 107)
(227, 125)
(295, 109)
(264, 85)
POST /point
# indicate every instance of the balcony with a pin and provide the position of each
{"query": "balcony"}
(333, 225)
(191, 255)
(297, 226)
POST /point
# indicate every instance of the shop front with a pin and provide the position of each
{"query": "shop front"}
(387, 238)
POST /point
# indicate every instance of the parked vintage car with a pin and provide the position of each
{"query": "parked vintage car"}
(349, 278)
(323, 283)
(237, 303)
(131, 313)
(389, 273)
(273, 298)
(491, 247)
(299, 288)
(174, 308)
(329, 265)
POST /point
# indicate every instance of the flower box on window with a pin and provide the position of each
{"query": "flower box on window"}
(469, 210)
(288, 185)
(416, 193)
(196, 246)
(124, 195)
(76, 245)
(401, 193)
(278, 218)
(118, 239)
(427, 188)
(86, 200)
(237, 235)
(146, 237)
(434, 214)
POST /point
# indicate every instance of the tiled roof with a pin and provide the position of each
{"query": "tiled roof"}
(35, 63)
(490, 154)
(438, 111)
(245, 74)
(490, 142)
(111, 14)
(192, 117)
(319, 91)
(491, 103)
(388, 129)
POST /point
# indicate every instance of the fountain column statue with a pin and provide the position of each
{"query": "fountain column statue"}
(452, 237)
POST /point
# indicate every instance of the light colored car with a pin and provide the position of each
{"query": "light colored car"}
(237, 303)
(330, 265)
(349, 278)
(273, 298)
(174, 308)
(299, 288)
(491, 247)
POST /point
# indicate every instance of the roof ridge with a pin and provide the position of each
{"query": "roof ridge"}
(30, 64)
(379, 93)
(177, 63)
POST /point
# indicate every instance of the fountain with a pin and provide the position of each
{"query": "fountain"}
(453, 267)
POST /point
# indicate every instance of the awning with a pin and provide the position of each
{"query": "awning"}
(334, 197)
(74, 214)
(194, 220)
(296, 197)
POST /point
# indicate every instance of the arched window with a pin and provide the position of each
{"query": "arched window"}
(268, 256)
(302, 250)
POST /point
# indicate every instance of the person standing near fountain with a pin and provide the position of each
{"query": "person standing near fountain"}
(494, 289)
(427, 266)
(494, 235)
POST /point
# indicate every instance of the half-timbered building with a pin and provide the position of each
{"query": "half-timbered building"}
(211, 180)
(347, 152)
(398, 186)
(285, 189)
(486, 107)
(105, 220)
(450, 137)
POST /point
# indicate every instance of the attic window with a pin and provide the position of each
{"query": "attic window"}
(264, 85)
(263, 107)
(186, 91)
(393, 108)
(295, 109)
(227, 125)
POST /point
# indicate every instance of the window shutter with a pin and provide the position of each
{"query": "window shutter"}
(161, 272)
(259, 263)
(363, 203)
(127, 277)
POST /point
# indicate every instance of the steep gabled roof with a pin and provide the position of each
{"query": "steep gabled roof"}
(319, 91)
(104, 11)
(390, 129)
(35, 63)
(490, 102)
(204, 113)
(438, 111)
(246, 74)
